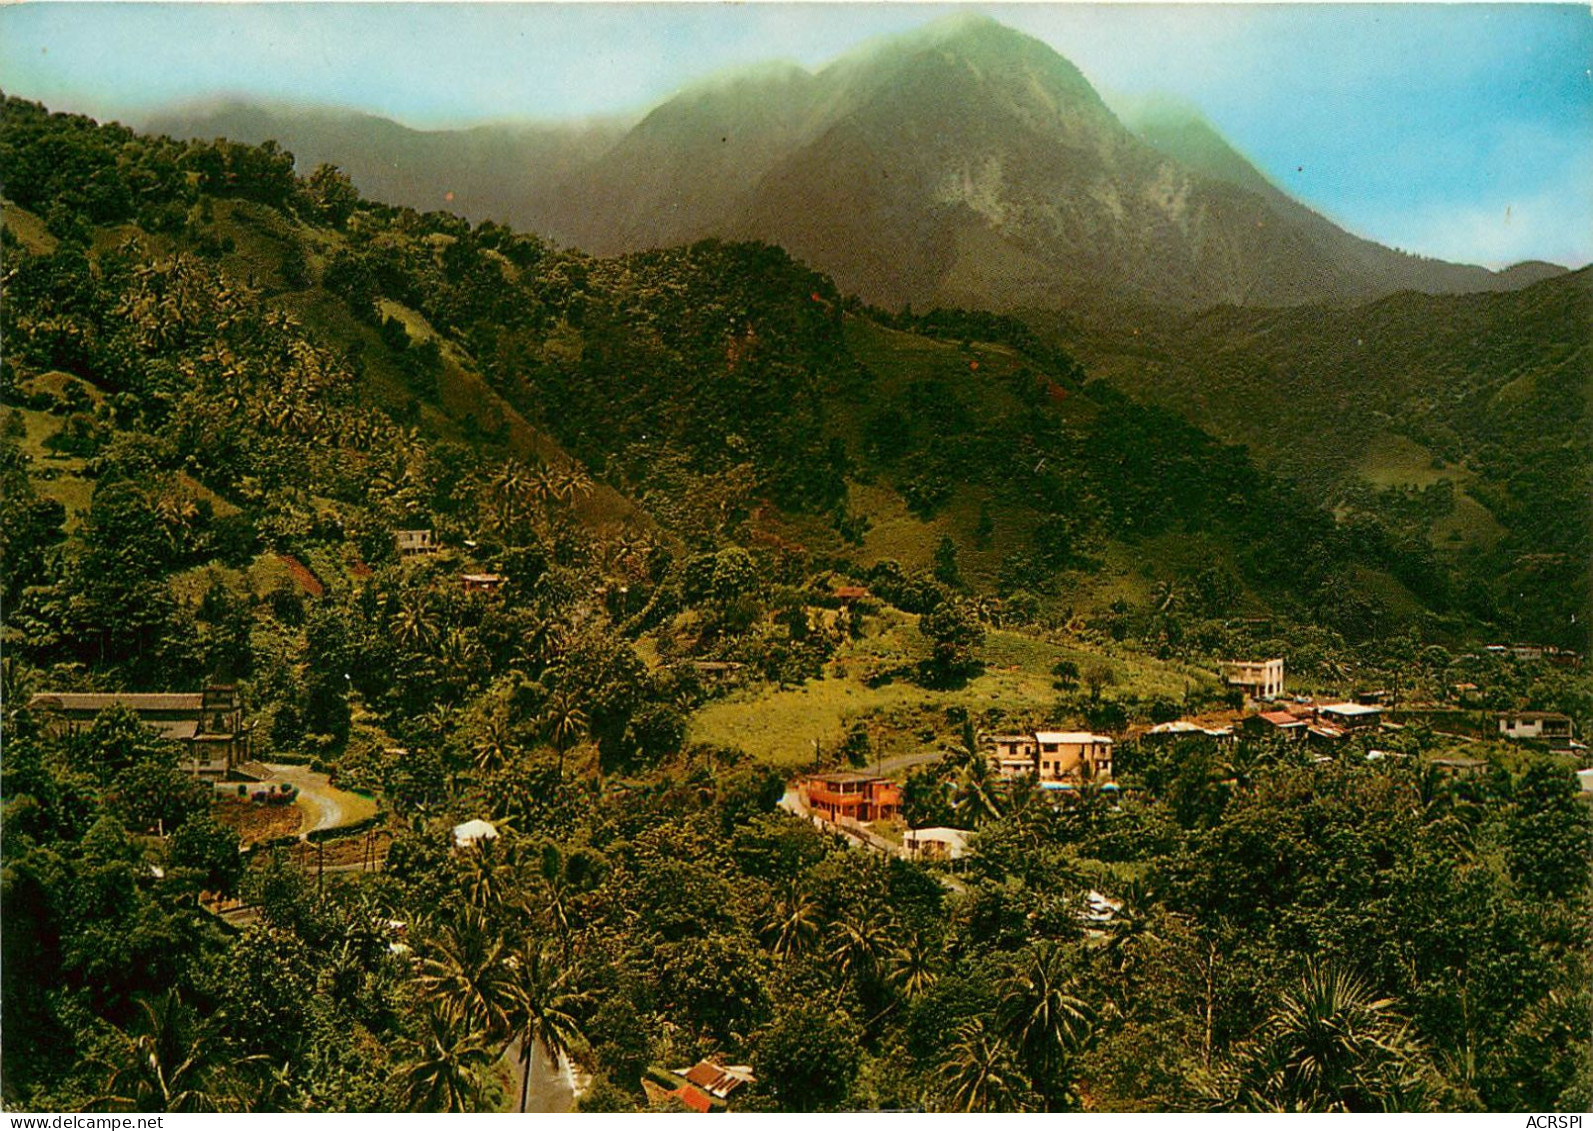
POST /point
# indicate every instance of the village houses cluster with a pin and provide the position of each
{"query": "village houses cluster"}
(1060, 761)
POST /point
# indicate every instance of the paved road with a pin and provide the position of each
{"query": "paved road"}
(892, 765)
(315, 793)
(552, 1086)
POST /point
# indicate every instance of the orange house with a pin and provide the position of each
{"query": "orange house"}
(862, 797)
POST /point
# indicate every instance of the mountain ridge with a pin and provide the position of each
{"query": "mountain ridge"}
(963, 163)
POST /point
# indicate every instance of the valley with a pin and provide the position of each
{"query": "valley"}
(879, 587)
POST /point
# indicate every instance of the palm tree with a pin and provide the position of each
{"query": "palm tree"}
(1088, 800)
(791, 923)
(170, 1062)
(462, 659)
(969, 746)
(545, 642)
(1131, 934)
(910, 968)
(513, 486)
(494, 746)
(415, 625)
(980, 1074)
(974, 796)
(565, 722)
(858, 945)
(1243, 762)
(570, 483)
(446, 1065)
(1045, 1018)
(464, 974)
(1330, 1045)
(556, 887)
(544, 1007)
(486, 875)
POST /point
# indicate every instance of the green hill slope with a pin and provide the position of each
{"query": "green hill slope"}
(1460, 421)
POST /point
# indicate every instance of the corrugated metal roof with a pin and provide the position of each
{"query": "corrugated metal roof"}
(1351, 709)
(692, 1098)
(136, 701)
(1080, 737)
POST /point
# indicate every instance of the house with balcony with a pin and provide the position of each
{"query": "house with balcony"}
(412, 542)
(846, 795)
(1544, 726)
(1259, 679)
(1072, 755)
(1013, 755)
(1053, 756)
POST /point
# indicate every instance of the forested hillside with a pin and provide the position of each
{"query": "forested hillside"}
(229, 383)
(1459, 423)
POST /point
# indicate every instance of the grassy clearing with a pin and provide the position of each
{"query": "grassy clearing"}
(1396, 461)
(268, 574)
(781, 725)
(57, 477)
(1391, 460)
(29, 229)
(1399, 601)
(1471, 525)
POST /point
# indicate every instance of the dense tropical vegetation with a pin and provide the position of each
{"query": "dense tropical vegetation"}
(226, 385)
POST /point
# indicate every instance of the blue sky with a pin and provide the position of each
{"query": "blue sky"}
(1459, 131)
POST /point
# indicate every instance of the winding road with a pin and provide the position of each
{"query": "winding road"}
(324, 806)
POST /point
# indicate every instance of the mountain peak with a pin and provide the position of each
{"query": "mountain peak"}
(1179, 130)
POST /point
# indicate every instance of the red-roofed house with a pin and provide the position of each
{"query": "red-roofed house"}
(1275, 723)
(718, 1080)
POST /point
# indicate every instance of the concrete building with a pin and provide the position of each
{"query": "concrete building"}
(1351, 716)
(1546, 726)
(936, 843)
(1260, 679)
(1053, 755)
(843, 794)
(1071, 755)
(1014, 755)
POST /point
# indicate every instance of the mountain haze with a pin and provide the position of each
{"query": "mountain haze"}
(963, 164)
(492, 171)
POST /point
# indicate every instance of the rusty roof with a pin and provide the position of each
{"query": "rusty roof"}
(692, 1098)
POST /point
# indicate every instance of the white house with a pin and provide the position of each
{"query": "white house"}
(1261, 679)
(936, 843)
(1547, 725)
